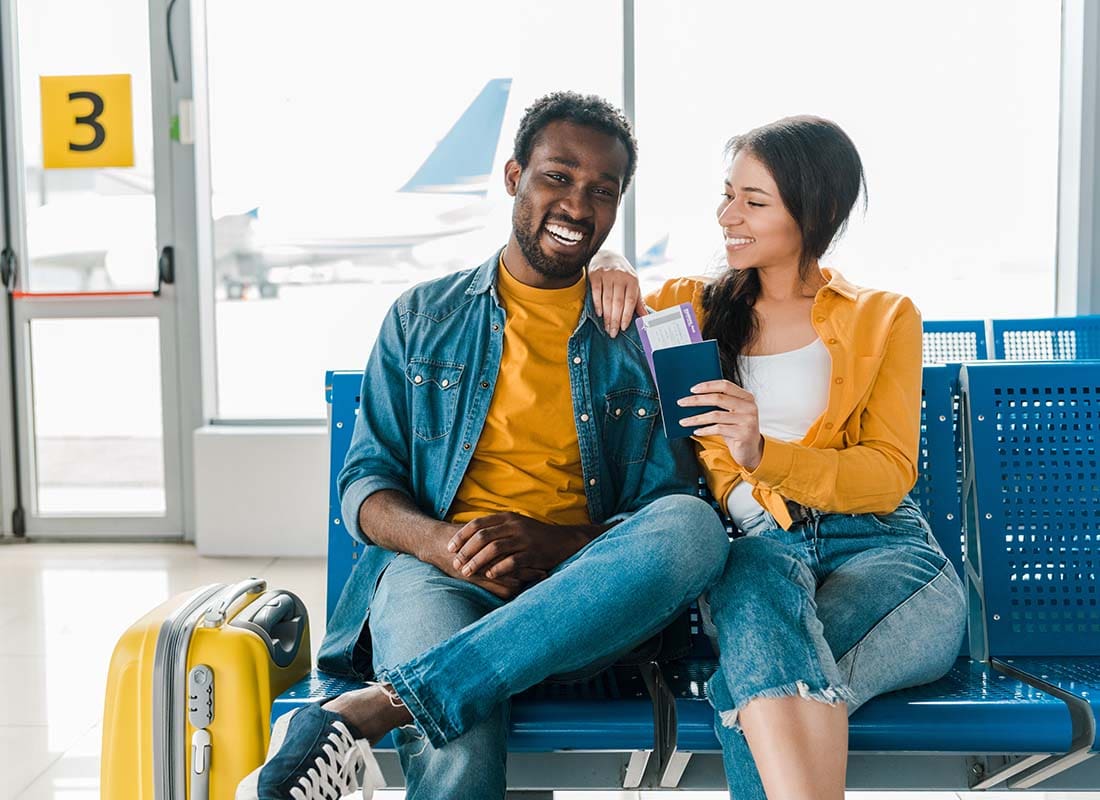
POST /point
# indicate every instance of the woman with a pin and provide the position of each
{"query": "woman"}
(838, 591)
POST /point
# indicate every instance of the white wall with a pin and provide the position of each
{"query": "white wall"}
(261, 491)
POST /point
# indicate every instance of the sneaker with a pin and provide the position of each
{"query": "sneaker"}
(314, 755)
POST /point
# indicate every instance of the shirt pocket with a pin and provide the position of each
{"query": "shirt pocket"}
(434, 386)
(630, 417)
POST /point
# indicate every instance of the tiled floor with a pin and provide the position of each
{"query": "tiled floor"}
(63, 606)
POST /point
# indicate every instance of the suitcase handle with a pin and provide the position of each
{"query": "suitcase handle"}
(215, 616)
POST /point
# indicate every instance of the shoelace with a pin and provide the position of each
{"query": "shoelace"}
(337, 772)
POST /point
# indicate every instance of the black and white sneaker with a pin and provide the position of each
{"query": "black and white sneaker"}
(314, 755)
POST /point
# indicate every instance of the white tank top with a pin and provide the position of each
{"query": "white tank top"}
(791, 391)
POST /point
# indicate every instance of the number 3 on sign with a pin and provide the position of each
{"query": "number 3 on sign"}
(87, 121)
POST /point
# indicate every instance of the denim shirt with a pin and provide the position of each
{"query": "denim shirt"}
(426, 394)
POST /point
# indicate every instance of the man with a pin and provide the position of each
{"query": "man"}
(524, 513)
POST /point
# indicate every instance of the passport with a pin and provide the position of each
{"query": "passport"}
(676, 370)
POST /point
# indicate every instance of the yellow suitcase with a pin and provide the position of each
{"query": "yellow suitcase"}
(188, 707)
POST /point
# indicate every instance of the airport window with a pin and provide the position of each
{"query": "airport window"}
(352, 159)
(90, 228)
(954, 108)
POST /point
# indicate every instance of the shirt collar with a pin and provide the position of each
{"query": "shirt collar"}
(485, 276)
(839, 284)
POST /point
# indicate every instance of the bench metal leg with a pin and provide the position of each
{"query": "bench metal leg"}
(1082, 722)
(664, 726)
(674, 770)
(1004, 771)
(635, 769)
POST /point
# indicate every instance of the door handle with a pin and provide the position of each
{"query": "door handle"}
(166, 267)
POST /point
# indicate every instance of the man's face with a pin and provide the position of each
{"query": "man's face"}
(567, 197)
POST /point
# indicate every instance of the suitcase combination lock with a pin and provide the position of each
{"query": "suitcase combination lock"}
(200, 713)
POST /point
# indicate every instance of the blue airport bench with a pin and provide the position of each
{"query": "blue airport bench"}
(976, 726)
(652, 728)
(607, 722)
(954, 341)
(1032, 499)
(1046, 339)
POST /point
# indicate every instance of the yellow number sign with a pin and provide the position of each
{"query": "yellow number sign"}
(87, 121)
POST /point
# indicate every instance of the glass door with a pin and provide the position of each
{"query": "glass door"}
(89, 201)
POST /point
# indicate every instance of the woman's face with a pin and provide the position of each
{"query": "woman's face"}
(759, 231)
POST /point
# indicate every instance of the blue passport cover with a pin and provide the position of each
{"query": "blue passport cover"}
(677, 370)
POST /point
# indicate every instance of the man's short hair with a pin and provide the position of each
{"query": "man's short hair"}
(589, 110)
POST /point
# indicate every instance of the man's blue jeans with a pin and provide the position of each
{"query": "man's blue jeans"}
(455, 654)
(841, 607)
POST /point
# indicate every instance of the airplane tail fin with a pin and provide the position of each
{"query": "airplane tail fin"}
(655, 255)
(463, 159)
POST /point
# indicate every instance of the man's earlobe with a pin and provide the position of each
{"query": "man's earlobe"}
(512, 171)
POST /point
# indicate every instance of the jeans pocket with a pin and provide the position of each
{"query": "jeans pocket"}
(905, 519)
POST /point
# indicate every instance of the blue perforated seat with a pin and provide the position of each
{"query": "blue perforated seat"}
(1033, 526)
(613, 711)
(954, 341)
(1047, 339)
(972, 709)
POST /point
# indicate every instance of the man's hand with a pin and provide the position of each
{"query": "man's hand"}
(737, 421)
(512, 546)
(393, 521)
(436, 553)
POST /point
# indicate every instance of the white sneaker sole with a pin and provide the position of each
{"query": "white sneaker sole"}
(249, 788)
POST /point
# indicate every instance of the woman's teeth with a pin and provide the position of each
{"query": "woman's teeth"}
(737, 241)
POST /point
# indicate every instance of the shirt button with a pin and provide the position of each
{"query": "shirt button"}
(576, 359)
(496, 327)
(418, 379)
(466, 446)
(591, 481)
(485, 384)
(618, 412)
(641, 412)
(445, 383)
(840, 380)
(584, 418)
(828, 426)
(820, 319)
(832, 341)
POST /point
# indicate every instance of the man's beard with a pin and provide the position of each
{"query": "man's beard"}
(549, 266)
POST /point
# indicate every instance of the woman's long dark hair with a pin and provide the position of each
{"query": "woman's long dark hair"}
(819, 175)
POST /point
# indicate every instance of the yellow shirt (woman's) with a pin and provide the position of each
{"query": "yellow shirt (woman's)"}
(860, 455)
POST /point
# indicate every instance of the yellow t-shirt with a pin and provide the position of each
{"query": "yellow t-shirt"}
(528, 459)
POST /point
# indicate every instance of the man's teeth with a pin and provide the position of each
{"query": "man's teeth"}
(735, 241)
(564, 235)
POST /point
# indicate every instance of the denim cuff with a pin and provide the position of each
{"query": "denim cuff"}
(424, 695)
(359, 491)
(729, 710)
(419, 712)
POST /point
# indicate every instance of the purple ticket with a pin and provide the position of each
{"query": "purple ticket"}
(670, 327)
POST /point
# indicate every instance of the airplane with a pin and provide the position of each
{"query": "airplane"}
(267, 245)
(103, 232)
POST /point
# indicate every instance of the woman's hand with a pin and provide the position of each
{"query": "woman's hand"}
(736, 419)
(615, 291)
